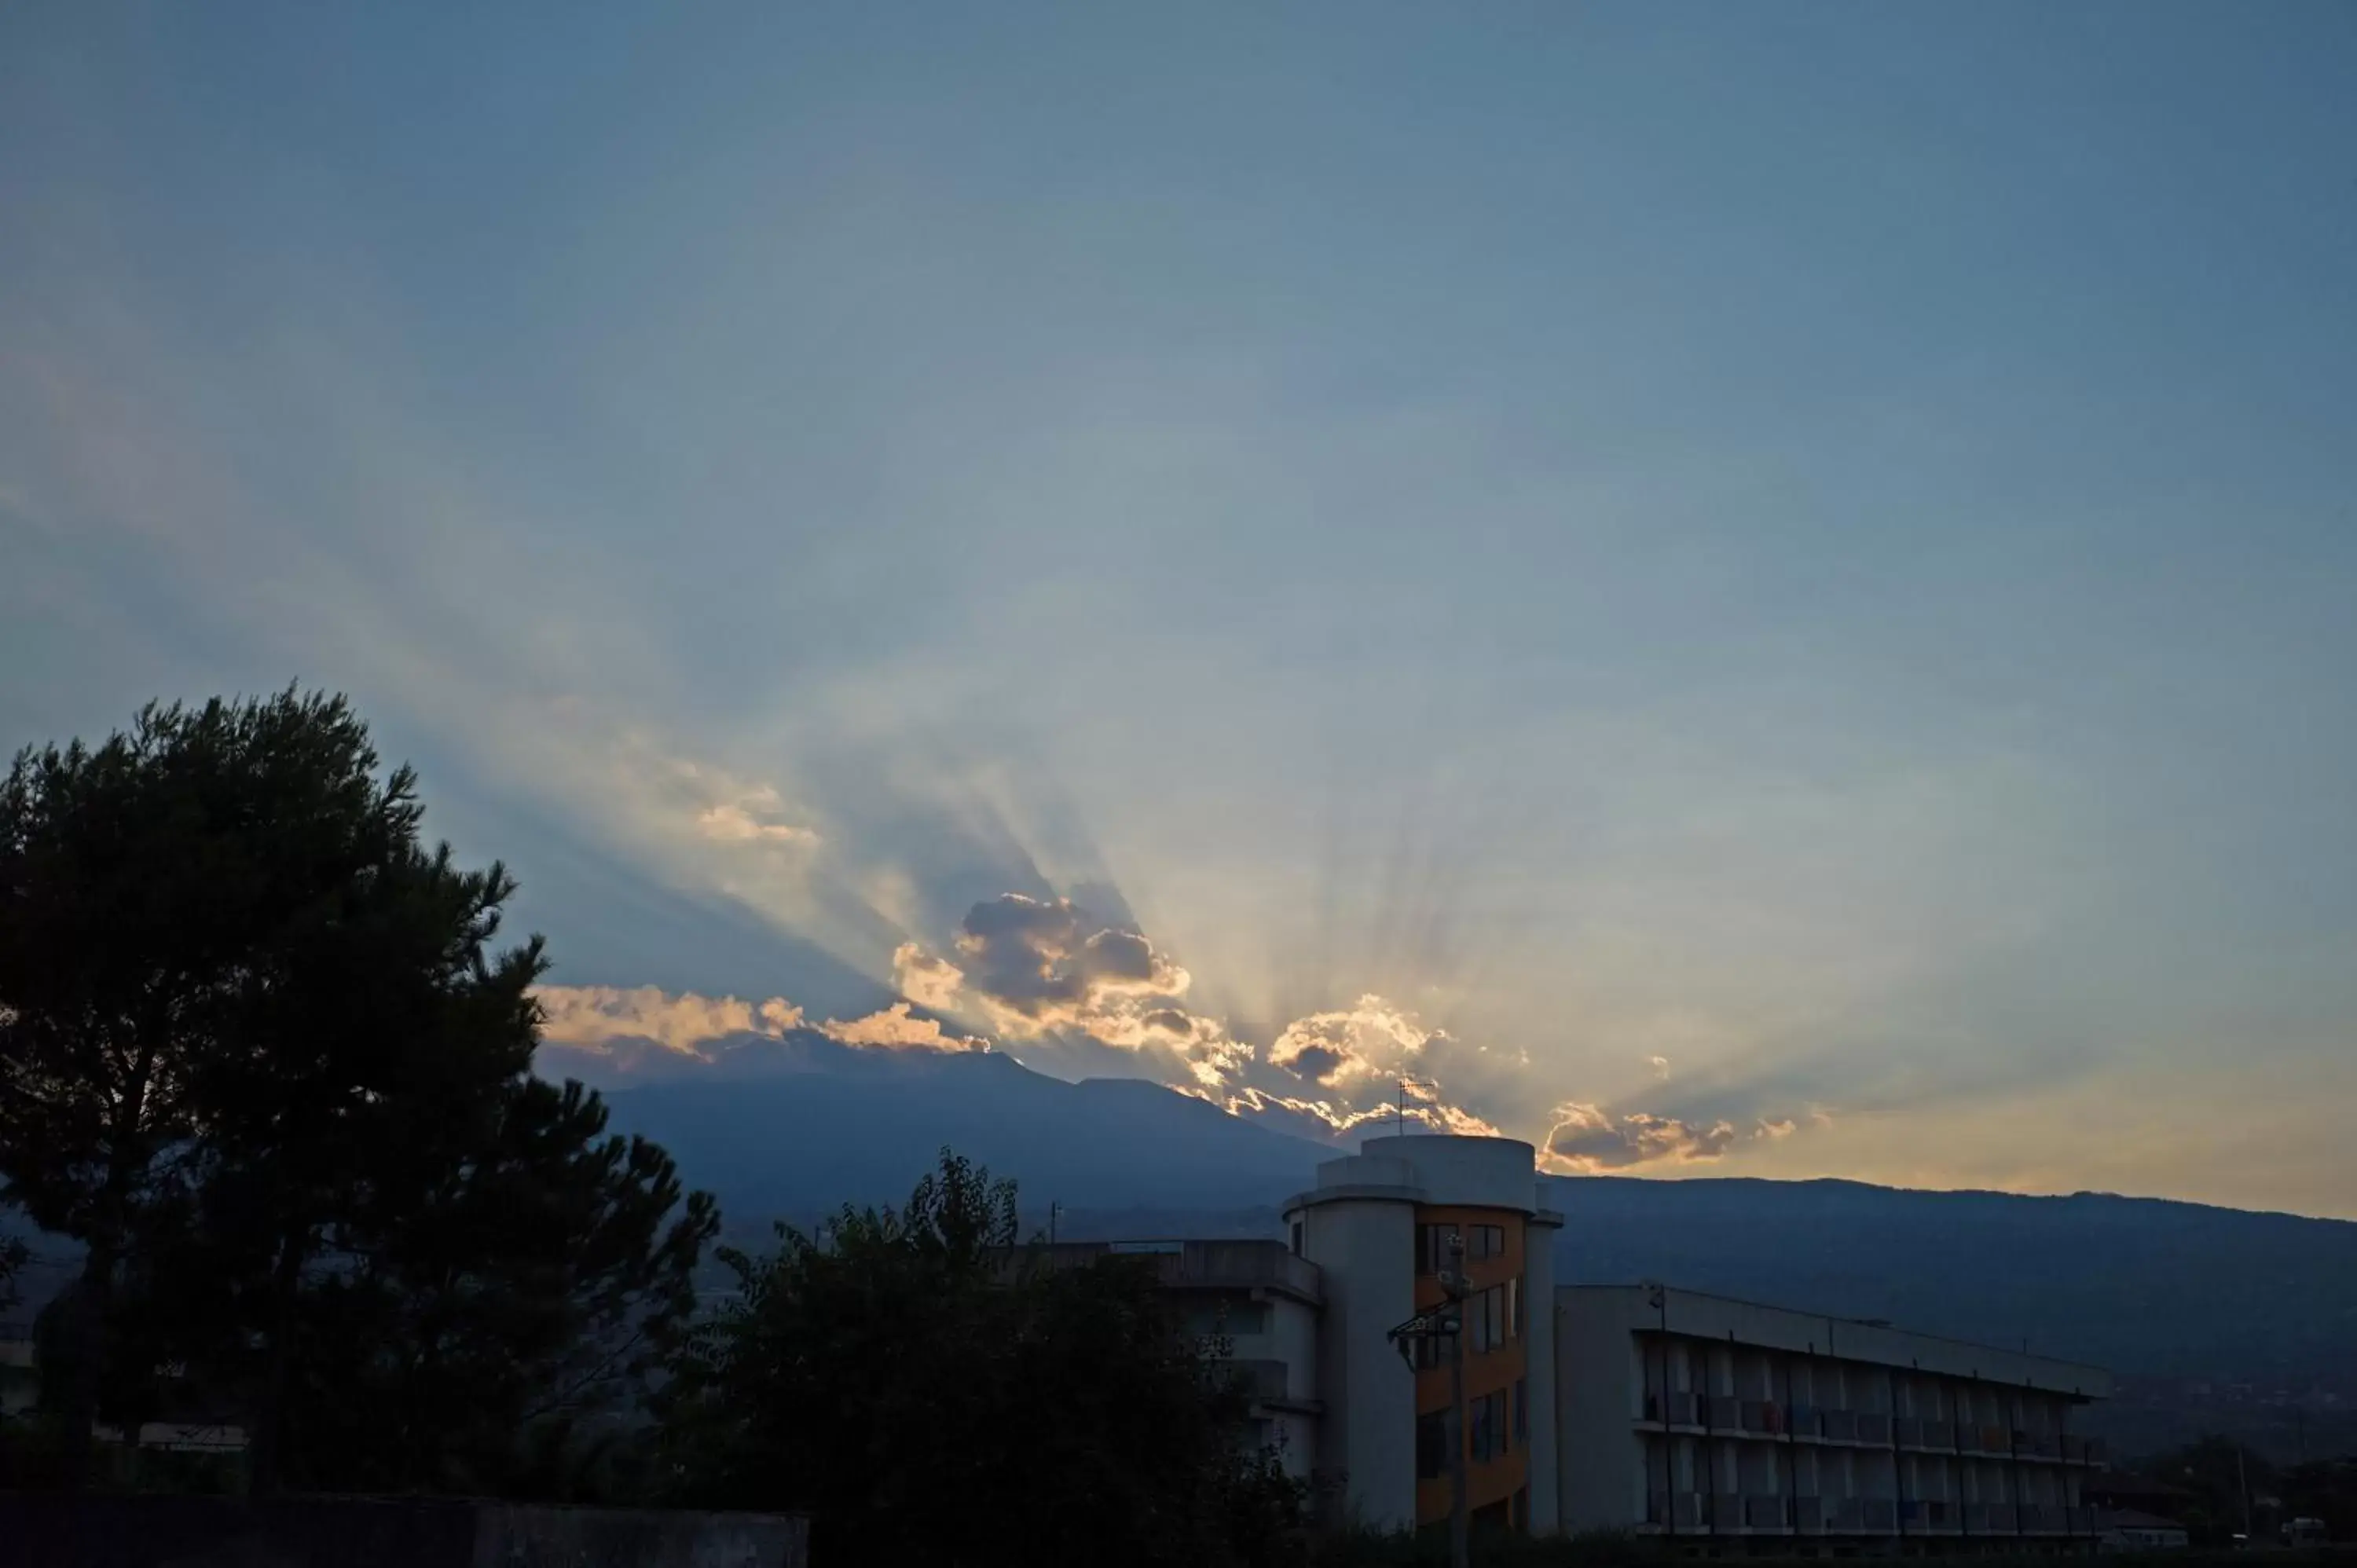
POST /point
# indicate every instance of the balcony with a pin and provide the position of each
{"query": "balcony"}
(1928, 1514)
(1840, 1425)
(1688, 1505)
(1907, 1431)
(2082, 1450)
(1994, 1439)
(1269, 1383)
(1873, 1428)
(1725, 1414)
(1939, 1436)
(2045, 1518)
(1685, 1409)
(1809, 1515)
(1763, 1511)
(1804, 1421)
(1881, 1515)
(2002, 1519)
(2035, 1445)
(1762, 1416)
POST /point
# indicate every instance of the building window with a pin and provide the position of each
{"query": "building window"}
(1486, 1420)
(1297, 1238)
(1522, 1413)
(1434, 1350)
(1488, 1313)
(1481, 1241)
(1432, 1445)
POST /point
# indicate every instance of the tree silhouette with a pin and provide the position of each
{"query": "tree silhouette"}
(259, 1051)
(931, 1393)
(141, 883)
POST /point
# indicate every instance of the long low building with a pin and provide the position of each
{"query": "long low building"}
(1641, 1408)
(1693, 1415)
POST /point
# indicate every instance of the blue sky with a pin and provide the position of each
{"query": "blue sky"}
(1760, 590)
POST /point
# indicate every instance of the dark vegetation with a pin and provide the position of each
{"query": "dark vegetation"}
(2223, 1489)
(266, 1060)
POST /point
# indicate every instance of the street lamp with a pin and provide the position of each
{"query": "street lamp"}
(1448, 1321)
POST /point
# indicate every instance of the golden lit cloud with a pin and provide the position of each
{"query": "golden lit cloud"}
(896, 1027)
(589, 1018)
(595, 1018)
(1585, 1138)
(731, 823)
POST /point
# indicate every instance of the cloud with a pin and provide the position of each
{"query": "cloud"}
(1049, 970)
(616, 1021)
(1071, 986)
(588, 1018)
(1082, 994)
(1372, 1040)
(1039, 964)
(896, 1027)
(925, 979)
(731, 823)
(1661, 1065)
(1588, 1138)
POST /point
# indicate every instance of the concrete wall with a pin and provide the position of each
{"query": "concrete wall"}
(1290, 1342)
(156, 1532)
(1293, 1341)
(1598, 1452)
(1540, 1330)
(1461, 1173)
(1364, 1247)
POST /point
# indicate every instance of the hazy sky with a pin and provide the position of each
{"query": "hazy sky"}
(1763, 589)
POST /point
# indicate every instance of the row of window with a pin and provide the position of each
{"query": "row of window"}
(1495, 1424)
(1481, 1241)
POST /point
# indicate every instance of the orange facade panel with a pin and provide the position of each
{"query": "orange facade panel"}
(1495, 1316)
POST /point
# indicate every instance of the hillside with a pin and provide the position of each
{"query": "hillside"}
(848, 1126)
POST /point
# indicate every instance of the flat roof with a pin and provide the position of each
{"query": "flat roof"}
(1701, 1314)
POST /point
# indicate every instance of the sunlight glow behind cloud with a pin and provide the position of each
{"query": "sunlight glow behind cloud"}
(1610, 601)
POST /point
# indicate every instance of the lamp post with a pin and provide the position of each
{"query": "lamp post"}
(1447, 1321)
(1460, 1526)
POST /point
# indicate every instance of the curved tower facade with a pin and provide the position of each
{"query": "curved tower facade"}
(1377, 1226)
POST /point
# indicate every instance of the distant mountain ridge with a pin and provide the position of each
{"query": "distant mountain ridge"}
(846, 1124)
(2214, 1318)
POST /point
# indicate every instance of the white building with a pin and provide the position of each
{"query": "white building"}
(1635, 1408)
(1692, 1414)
